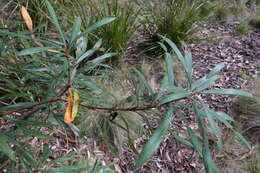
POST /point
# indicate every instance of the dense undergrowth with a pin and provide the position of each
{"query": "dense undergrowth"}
(61, 74)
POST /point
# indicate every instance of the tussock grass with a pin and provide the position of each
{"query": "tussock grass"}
(247, 111)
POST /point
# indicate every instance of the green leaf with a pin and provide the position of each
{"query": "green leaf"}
(242, 140)
(75, 30)
(176, 50)
(213, 126)
(169, 64)
(174, 96)
(88, 84)
(144, 81)
(181, 140)
(188, 60)
(206, 155)
(4, 147)
(33, 50)
(23, 36)
(207, 83)
(74, 129)
(195, 142)
(29, 122)
(45, 154)
(55, 20)
(97, 25)
(103, 57)
(81, 46)
(163, 86)
(37, 69)
(27, 157)
(36, 133)
(156, 138)
(18, 35)
(15, 106)
(163, 46)
(224, 118)
(228, 92)
(89, 52)
(216, 70)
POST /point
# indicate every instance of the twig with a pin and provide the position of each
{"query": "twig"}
(137, 108)
(53, 99)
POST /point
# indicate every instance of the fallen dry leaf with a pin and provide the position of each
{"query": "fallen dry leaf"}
(27, 19)
(72, 106)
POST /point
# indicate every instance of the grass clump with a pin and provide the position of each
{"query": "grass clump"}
(247, 111)
(221, 11)
(242, 28)
(114, 129)
(115, 35)
(179, 20)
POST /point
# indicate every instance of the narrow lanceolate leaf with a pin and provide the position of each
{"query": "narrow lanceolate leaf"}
(224, 118)
(102, 58)
(213, 126)
(14, 106)
(36, 133)
(163, 46)
(173, 97)
(156, 138)
(75, 30)
(89, 53)
(188, 59)
(209, 164)
(207, 83)
(55, 20)
(228, 92)
(33, 50)
(169, 64)
(4, 147)
(175, 49)
(242, 140)
(216, 70)
(144, 81)
(72, 106)
(163, 86)
(97, 25)
(194, 140)
(181, 140)
(27, 19)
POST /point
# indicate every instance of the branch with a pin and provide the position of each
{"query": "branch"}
(53, 99)
(137, 108)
